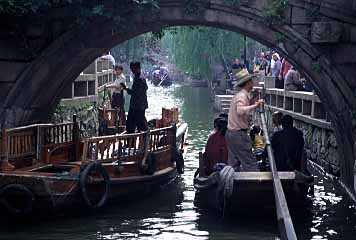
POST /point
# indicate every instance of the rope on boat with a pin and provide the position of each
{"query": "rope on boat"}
(225, 187)
(57, 198)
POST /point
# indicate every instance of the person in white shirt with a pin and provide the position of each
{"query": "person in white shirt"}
(117, 98)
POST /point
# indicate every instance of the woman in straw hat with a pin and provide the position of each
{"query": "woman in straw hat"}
(240, 155)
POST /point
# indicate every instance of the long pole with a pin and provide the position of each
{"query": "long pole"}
(285, 223)
(245, 51)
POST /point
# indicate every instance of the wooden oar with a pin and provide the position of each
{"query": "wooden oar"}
(285, 223)
(164, 78)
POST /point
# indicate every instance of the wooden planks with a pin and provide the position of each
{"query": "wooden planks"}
(262, 176)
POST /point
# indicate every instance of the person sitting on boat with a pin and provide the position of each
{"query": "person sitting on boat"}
(238, 143)
(288, 146)
(138, 103)
(117, 98)
(258, 144)
(224, 116)
(216, 149)
(277, 121)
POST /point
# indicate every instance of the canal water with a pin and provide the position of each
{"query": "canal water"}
(170, 212)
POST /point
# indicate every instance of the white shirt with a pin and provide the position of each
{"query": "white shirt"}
(119, 79)
(240, 109)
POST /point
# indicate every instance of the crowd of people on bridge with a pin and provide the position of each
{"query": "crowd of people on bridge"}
(270, 64)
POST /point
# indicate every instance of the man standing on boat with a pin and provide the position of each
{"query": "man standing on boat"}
(240, 155)
(138, 103)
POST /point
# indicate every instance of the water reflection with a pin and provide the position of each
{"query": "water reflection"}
(170, 212)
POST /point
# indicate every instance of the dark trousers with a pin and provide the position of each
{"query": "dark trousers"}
(136, 118)
(118, 102)
(279, 83)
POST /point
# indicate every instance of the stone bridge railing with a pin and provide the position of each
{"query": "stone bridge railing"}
(304, 106)
(85, 87)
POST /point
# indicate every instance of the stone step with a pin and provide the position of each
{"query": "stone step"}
(225, 100)
(226, 105)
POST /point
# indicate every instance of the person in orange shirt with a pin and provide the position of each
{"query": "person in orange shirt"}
(216, 149)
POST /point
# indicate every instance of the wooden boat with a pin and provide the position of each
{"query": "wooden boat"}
(162, 80)
(49, 166)
(238, 192)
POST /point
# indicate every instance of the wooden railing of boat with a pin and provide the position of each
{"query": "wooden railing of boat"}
(128, 147)
(39, 143)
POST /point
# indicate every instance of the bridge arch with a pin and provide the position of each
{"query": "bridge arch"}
(40, 83)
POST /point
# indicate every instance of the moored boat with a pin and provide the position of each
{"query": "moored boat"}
(49, 166)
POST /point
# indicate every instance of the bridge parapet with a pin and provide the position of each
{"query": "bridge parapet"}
(86, 85)
(305, 106)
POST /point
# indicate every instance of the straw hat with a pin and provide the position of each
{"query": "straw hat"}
(244, 76)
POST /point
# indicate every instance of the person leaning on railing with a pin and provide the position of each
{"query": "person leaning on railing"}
(292, 81)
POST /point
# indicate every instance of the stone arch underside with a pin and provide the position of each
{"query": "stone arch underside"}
(39, 86)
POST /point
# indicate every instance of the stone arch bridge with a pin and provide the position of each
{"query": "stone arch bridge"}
(38, 59)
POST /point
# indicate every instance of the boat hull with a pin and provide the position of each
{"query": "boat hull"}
(58, 193)
(251, 191)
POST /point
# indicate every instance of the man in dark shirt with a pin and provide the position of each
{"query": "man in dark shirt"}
(237, 66)
(288, 145)
(138, 103)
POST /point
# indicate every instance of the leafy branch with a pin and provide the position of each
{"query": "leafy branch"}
(275, 11)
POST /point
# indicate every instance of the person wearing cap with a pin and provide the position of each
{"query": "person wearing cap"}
(239, 145)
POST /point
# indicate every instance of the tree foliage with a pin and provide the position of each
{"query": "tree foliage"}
(196, 50)
(139, 48)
